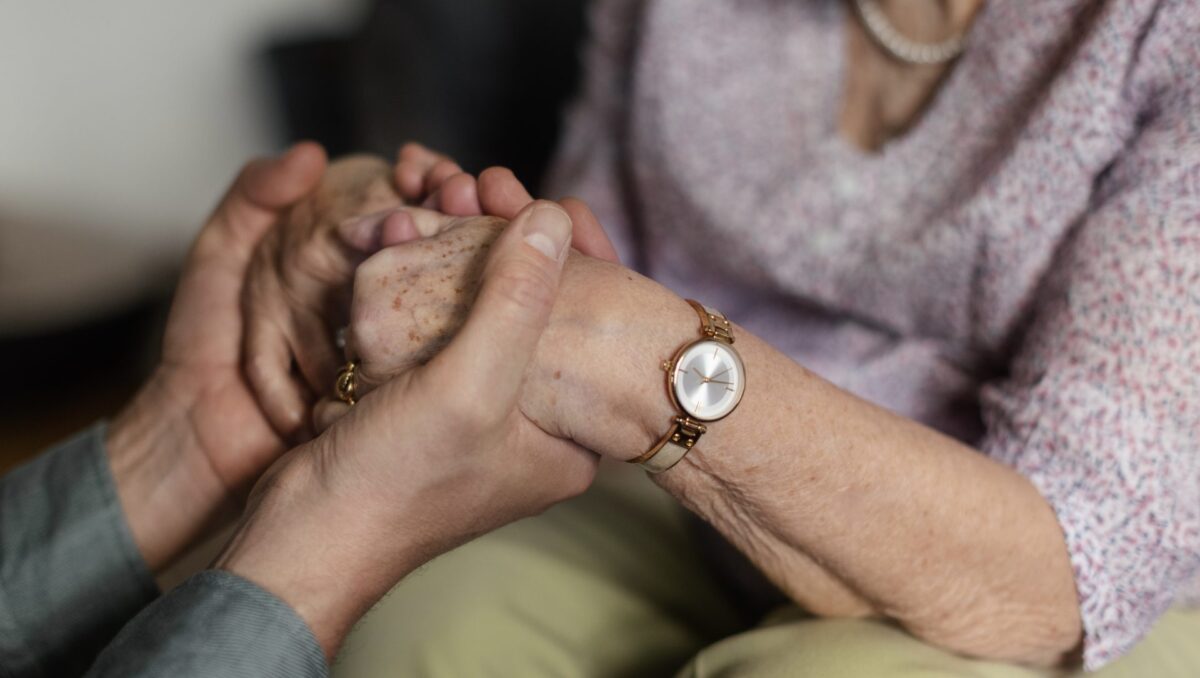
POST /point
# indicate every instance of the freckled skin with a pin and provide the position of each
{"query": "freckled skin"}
(424, 296)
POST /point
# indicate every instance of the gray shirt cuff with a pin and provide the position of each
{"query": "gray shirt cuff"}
(214, 624)
(70, 573)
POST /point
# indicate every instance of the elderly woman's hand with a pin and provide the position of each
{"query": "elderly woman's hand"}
(411, 299)
(433, 457)
(298, 292)
(298, 288)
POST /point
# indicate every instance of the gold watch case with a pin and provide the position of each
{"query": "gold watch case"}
(671, 368)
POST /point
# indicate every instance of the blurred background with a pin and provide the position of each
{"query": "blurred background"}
(121, 122)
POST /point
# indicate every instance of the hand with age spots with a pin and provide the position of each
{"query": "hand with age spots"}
(411, 299)
(298, 287)
(420, 460)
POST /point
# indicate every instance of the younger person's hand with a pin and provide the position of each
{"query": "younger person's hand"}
(432, 458)
(185, 452)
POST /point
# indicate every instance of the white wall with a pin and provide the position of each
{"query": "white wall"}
(120, 123)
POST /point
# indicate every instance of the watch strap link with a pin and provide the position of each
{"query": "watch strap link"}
(673, 446)
(713, 324)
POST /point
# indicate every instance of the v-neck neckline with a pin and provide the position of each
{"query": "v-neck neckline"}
(931, 123)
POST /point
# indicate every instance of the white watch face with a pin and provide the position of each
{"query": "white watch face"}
(708, 380)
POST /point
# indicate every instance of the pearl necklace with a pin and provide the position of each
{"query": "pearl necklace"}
(899, 47)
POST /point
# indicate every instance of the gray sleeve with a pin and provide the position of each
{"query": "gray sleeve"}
(70, 573)
(214, 624)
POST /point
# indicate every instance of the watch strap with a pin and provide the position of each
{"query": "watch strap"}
(672, 447)
(713, 324)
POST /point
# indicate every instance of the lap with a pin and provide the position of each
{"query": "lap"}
(796, 645)
(612, 584)
(607, 584)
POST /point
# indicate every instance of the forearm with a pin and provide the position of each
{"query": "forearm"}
(324, 555)
(169, 496)
(961, 550)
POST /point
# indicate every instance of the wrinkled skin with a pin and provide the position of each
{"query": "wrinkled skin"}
(187, 449)
(419, 459)
(411, 299)
(298, 290)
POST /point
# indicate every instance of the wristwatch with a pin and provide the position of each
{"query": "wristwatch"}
(705, 381)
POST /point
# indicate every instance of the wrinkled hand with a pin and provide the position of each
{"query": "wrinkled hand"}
(298, 290)
(410, 300)
(428, 460)
(189, 446)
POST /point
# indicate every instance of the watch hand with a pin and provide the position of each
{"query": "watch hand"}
(714, 381)
(720, 373)
(703, 378)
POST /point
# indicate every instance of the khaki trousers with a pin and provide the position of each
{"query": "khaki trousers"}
(611, 584)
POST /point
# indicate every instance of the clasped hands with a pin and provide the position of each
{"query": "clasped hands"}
(478, 331)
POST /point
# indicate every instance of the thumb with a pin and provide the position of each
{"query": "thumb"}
(263, 190)
(501, 194)
(517, 293)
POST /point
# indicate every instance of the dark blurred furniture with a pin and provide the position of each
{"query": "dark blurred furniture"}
(63, 379)
(482, 81)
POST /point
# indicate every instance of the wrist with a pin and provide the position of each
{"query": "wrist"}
(618, 328)
(328, 558)
(168, 500)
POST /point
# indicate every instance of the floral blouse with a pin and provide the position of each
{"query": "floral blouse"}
(1021, 269)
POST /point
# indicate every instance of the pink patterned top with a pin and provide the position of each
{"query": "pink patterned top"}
(1021, 269)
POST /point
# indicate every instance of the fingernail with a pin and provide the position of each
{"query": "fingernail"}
(548, 230)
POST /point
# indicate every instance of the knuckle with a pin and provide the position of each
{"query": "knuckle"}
(376, 267)
(260, 369)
